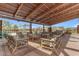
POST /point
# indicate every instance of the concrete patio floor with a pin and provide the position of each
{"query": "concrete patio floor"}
(34, 49)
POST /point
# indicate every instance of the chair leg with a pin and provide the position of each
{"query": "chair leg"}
(41, 44)
(55, 51)
(14, 50)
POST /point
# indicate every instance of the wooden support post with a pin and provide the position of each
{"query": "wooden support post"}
(0, 28)
(50, 29)
(77, 28)
(1, 25)
(43, 28)
(30, 27)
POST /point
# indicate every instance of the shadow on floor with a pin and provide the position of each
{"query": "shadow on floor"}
(25, 51)
(73, 41)
(3, 49)
(28, 49)
(74, 37)
(32, 51)
(72, 49)
(64, 42)
(65, 53)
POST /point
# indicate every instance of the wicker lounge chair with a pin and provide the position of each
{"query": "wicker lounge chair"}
(14, 44)
(54, 44)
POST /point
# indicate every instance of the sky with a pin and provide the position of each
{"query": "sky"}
(71, 23)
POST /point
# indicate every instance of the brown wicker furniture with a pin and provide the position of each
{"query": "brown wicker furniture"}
(53, 44)
(14, 44)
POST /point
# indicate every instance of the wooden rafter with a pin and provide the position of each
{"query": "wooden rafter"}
(30, 14)
(69, 14)
(65, 16)
(51, 10)
(56, 20)
(59, 12)
(47, 13)
(62, 12)
(46, 6)
(18, 9)
(10, 16)
(64, 19)
(65, 10)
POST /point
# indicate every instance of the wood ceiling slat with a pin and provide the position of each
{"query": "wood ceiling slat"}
(64, 19)
(42, 10)
(5, 13)
(7, 8)
(69, 14)
(18, 9)
(31, 8)
(35, 4)
(46, 6)
(38, 7)
(49, 11)
(63, 11)
(70, 8)
(9, 15)
(14, 4)
(66, 16)
(51, 6)
(39, 11)
(24, 11)
(25, 8)
(31, 5)
(58, 12)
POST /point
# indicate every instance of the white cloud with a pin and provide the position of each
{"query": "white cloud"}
(76, 25)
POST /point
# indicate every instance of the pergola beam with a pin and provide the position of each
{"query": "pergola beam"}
(30, 27)
(69, 17)
(39, 12)
(10, 16)
(18, 9)
(50, 10)
(46, 6)
(43, 28)
(34, 11)
(64, 11)
(51, 16)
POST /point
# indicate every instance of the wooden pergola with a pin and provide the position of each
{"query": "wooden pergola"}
(40, 13)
